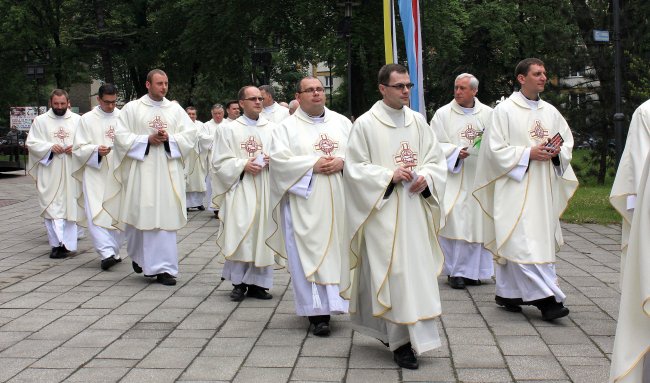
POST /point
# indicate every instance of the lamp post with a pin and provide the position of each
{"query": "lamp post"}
(261, 56)
(345, 30)
(618, 114)
(330, 62)
(36, 72)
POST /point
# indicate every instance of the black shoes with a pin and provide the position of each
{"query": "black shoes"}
(201, 208)
(258, 293)
(59, 252)
(456, 282)
(166, 279)
(550, 308)
(472, 282)
(405, 357)
(110, 262)
(321, 324)
(509, 304)
(238, 293)
(136, 267)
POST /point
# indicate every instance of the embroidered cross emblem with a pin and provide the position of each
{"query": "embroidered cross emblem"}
(251, 146)
(326, 145)
(538, 132)
(405, 156)
(157, 123)
(110, 133)
(61, 134)
(470, 134)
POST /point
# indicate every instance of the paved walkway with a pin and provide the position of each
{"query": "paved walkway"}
(66, 320)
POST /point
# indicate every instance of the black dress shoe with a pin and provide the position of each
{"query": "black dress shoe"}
(166, 279)
(63, 249)
(456, 282)
(322, 329)
(201, 208)
(110, 262)
(550, 308)
(405, 357)
(509, 304)
(238, 293)
(472, 282)
(258, 293)
(56, 253)
(216, 214)
(136, 267)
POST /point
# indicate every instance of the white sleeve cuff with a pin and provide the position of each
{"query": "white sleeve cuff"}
(451, 162)
(47, 159)
(138, 148)
(519, 171)
(93, 161)
(302, 188)
(631, 202)
(174, 151)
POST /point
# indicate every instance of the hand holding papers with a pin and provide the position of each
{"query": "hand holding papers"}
(410, 180)
(253, 167)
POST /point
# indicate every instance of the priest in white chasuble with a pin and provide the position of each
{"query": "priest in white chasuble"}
(272, 111)
(630, 360)
(524, 181)
(628, 175)
(92, 165)
(196, 165)
(50, 164)
(240, 161)
(307, 156)
(459, 126)
(146, 194)
(394, 182)
(213, 127)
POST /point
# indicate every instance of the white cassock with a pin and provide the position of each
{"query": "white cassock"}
(630, 361)
(211, 129)
(522, 200)
(215, 200)
(244, 210)
(275, 113)
(461, 238)
(628, 175)
(390, 274)
(196, 167)
(96, 128)
(146, 195)
(308, 209)
(53, 175)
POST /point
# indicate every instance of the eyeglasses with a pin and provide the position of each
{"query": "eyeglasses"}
(108, 102)
(260, 99)
(401, 86)
(313, 90)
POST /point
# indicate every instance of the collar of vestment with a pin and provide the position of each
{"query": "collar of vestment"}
(521, 100)
(386, 115)
(149, 102)
(261, 121)
(50, 114)
(459, 109)
(271, 108)
(303, 116)
(98, 111)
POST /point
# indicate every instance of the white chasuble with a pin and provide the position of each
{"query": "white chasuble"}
(522, 218)
(456, 130)
(53, 172)
(317, 219)
(395, 237)
(275, 113)
(632, 341)
(95, 128)
(629, 171)
(196, 166)
(149, 193)
(245, 206)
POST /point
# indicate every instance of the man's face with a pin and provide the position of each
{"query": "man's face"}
(157, 87)
(534, 82)
(233, 111)
(217, 115)
(394, 95)
(463, 93)
(107, 102)
(59, 105)
(192, 114)
(311, 96)
(252, 103)
(268, 100)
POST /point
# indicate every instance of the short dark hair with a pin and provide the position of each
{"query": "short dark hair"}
(59, 92)
(242, 92)
(524, 65)
(190, 108)
(299, 83)
(386, 70)
(269, 90)
(153, 72)
(232, 102)
(107, 88)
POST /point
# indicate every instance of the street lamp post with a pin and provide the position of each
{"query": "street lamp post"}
(36, 72)
(618, 114)
(345, 30)
(261, 56)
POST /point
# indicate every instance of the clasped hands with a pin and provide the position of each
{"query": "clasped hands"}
(58, 149)
(253, 167)
(158, 138)
(328, 165)
(404, 174)
(544, 151)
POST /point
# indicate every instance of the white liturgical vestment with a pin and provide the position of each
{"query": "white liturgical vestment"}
(390, 274)
(196, 166)
(275, 113)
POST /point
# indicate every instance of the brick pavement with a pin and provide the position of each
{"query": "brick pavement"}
(66, 320)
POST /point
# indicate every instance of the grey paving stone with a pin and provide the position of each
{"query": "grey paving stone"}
(483, 375)
(523, 345)
(98, 375)
(466, 356)
(67, 357)
(112, 363)
(563, 335)
(161, 357)
(139, 375)
(269, 356)
(262, 375)
(41, 375)
(94, 338)
(373, 375)
(318, 374)
(203, 321)
(282, 337)
(431, 369)
(228, 347)
(318, 346)
(30, 349)
(238, 329)
(321, 362)
(213, 368)
(12, 366)
(463, 320)
(583, 350)
(535, 367)
(477, 336)
(590, 374)
(128, 348)
(375, 356)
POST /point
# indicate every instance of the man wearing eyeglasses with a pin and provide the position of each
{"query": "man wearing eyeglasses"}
(214, 127)
(92, 165)
(50, 164)
(307, 156)
(459, 126)
(241, 167)
(272, 111)
(146, 193)
(394, 182)
(196, 166)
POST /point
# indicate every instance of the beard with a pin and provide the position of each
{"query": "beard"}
(59, 112)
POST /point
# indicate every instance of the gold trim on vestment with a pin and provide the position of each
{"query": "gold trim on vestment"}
(633, 366)
(392, 256)
(329, 241)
